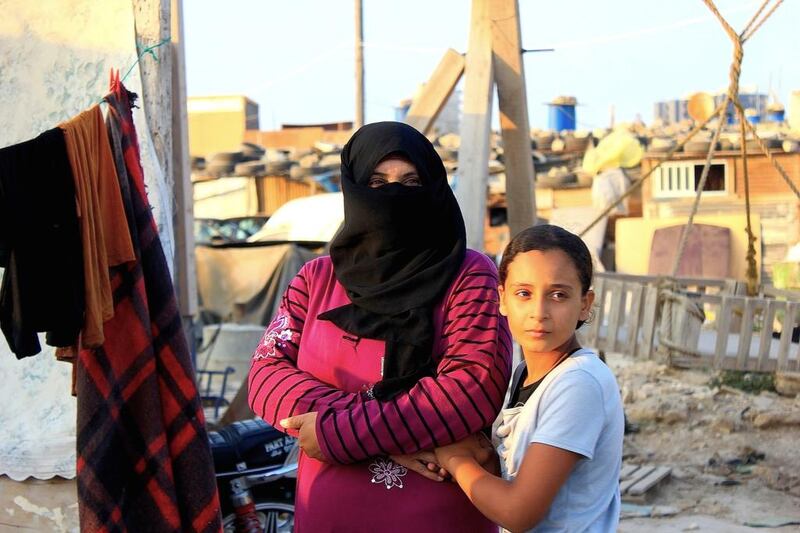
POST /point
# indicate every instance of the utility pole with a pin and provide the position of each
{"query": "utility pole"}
(359, 120)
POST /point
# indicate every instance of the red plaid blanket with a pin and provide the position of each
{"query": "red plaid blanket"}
(143, 458)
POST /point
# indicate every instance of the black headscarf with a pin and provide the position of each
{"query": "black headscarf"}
(398, 251)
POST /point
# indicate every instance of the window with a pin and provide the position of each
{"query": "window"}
(678, 179)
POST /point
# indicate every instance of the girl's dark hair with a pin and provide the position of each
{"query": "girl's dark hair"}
(548, 237)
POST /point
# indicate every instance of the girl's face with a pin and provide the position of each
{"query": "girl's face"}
(543, 300)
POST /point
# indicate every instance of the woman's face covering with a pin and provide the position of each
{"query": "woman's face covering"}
(395, 170)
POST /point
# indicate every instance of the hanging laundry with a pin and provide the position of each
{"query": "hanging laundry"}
(106, 242)
(40, 246)
(144, 462)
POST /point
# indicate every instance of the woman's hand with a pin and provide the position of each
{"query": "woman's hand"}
(475, 447)
(306, 426)
(423, 463)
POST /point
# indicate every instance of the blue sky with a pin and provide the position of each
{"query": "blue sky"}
(295, 58)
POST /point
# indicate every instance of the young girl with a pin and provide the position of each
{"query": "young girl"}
(560, 436)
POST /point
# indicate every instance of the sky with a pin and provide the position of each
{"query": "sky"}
(295, 58)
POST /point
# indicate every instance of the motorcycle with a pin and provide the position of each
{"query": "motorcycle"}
(256, 471)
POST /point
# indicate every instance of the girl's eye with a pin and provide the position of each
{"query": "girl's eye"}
(412, 182)
(376, 182)
(559, 295)
(523, 293)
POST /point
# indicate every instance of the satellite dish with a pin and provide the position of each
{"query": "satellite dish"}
(700, 106)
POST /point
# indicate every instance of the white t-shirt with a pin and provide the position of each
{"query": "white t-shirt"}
(577, 407)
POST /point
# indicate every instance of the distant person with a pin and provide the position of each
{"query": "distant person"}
(391, 346)
(560, 438)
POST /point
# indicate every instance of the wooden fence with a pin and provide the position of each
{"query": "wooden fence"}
(697, 323)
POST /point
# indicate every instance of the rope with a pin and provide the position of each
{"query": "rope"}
(771, 11)
(765, 150)
(754, 17)
(666, 286)
(751, 274)
(700, 186)
(148, 50)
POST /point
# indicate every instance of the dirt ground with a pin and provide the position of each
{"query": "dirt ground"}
(734, 455)
(735, 458)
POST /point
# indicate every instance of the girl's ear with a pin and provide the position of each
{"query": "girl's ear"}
(503, 310)
(587, 300)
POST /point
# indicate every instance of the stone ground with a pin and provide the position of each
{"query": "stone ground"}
(735, 458)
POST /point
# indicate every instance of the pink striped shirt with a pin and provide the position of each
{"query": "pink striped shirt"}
(304, 364)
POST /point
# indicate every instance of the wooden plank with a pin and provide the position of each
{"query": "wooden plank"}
(786, 334)
(641, 473)
(594, 326)
(646, 483)
(634, 317)
(746, 333)
(627, 471)
(183, 219)
(359, 53)
(435, 93)
(765, 339)
(680, 317)
(473, 155)
(649, 315)
(796, 365)
(616, 293)
(769, 290)
(509, 75)
(723, 330)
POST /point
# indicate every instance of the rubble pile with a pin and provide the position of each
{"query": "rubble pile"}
(730, 451)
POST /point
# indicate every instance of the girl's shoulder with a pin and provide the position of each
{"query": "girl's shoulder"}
(586, 367)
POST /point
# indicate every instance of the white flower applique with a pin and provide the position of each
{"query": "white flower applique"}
(387, 472)
(276, 336)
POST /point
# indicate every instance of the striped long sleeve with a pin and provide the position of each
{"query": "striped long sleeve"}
(277, 389)
(463, 397)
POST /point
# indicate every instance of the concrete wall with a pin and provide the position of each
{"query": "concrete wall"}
(218, 123)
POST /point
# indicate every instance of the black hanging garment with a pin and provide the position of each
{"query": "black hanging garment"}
(40, 245)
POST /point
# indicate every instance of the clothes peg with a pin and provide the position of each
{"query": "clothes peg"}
(114, 84)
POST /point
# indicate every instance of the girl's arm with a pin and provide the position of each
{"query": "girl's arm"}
(521, 503)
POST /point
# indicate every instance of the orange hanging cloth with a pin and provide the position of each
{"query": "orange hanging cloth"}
(104, 228)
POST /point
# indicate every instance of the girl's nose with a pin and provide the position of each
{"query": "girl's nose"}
(538, 309)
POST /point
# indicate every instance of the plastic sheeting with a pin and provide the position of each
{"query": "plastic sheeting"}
(244, 284)
(618, 149)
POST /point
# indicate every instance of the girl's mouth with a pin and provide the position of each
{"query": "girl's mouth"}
(537, 333)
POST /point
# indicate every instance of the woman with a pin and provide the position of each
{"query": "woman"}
(391, 346)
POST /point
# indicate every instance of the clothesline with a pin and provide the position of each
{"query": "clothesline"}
(147, 50)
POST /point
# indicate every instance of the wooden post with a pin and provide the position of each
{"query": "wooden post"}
(359, 120)
(509, 74)
(152, 19)
(435, 93)
(473, 154)
(183, 220)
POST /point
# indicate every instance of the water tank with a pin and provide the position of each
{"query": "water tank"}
(562, 113)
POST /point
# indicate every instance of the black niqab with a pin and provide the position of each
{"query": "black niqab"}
(397, 253)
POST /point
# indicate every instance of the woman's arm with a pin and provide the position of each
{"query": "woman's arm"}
(519, 504)
(277, 389)
(463, 397)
